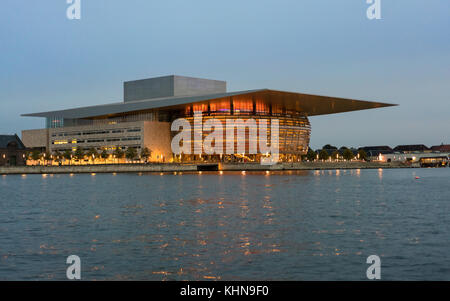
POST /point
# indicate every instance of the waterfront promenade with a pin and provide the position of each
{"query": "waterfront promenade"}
(174, 167)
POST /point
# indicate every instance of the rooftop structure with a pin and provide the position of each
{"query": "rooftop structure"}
(441, 148)
(411, 148)
(171, 86)
(11, 141)
(373, 151)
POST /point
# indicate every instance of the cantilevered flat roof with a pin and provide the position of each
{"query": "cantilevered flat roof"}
(311, 105)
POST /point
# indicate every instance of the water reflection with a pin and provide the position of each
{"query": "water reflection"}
(380, 173)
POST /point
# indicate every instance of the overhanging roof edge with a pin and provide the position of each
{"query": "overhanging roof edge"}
(131, 106)
(126, 107)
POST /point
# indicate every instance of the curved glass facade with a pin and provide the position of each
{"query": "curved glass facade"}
(294, 127)
(294, 131)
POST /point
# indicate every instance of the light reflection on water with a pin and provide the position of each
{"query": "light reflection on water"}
(291, 225)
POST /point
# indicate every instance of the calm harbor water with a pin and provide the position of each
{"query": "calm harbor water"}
(308, 225)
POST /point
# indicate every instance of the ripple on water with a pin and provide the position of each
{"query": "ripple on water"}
(318, 225)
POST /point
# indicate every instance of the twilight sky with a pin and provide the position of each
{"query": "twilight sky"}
(324, 47)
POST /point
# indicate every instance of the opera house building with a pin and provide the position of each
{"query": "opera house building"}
(150, 106)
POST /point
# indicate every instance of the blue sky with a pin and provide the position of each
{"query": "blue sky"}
(325, 47)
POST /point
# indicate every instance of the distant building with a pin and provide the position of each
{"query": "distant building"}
(352, 149)
(330, 150)
(374, 151)
(441, 161)
(413, 148)
(12, 151)
(414, 157)
(443, 148)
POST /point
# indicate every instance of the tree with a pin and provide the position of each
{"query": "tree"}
(68, 155)
(311, 155)
(131, 153)
(329, 147)
(79, 154)
(104, 155)
(323, 155)
(118, 153)
(92, 153)
(362, 155)
(348, 154)
(145, 153)
(57, 156)
(335, 155)
(47, 157)
(35, 155)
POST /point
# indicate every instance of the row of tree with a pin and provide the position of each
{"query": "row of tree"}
(79, 154)
(132, 154)
(334, 153)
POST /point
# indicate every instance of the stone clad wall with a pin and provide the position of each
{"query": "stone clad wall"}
(35, 138)
(157, 138)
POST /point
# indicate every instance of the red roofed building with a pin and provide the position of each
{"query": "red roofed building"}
(443, 148)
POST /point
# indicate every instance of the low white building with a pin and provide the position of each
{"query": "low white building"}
(411, 157)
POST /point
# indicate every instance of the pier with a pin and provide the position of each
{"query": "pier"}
(174, 167)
